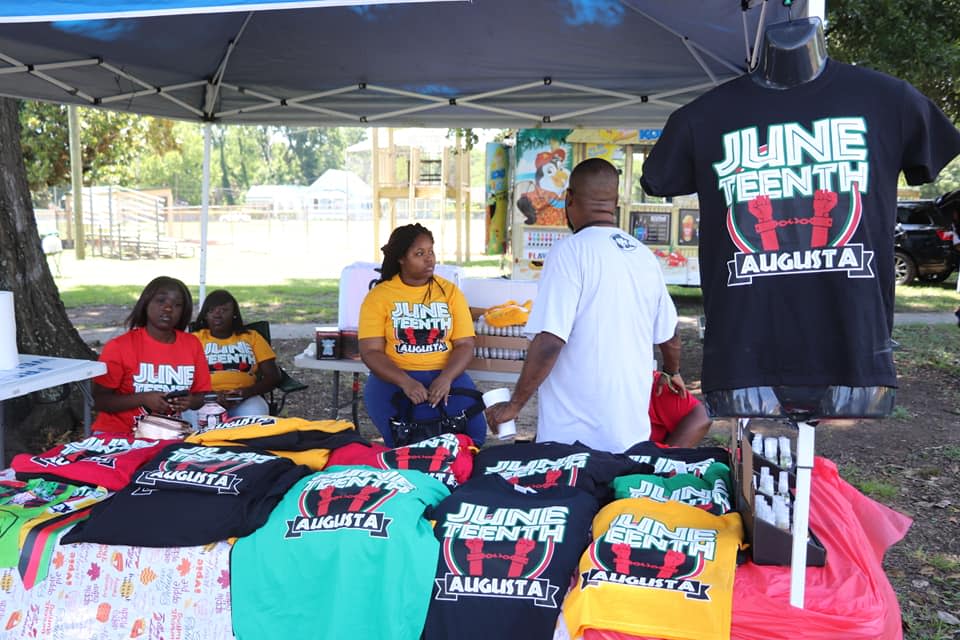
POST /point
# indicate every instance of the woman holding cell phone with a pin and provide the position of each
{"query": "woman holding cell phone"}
(242, 364)
(155, 367)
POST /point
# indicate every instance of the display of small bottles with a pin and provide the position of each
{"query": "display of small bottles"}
(775, 450)
(510, 352)
(773, 504)
(510, 331)
(499, 353)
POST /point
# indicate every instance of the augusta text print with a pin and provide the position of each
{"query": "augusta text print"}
(501, 553)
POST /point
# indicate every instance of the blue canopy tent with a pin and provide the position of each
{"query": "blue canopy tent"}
(484, 63)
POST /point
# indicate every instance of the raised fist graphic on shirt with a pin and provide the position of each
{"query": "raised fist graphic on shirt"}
(766, 226)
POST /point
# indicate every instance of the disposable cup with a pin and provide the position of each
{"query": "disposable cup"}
(501, 394)
(492, 397)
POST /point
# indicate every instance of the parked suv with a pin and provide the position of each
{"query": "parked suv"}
(923, 243)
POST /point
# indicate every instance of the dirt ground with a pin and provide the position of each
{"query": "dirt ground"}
(909, 461)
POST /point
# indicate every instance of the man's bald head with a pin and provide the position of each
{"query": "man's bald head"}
(592, 193)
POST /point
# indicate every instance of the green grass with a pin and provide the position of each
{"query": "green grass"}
(915, 298)
(953, 453)
(927, 298)
(922, 346)
(899, 413)
(945, 562)
(311, 301)
(688, 300)
(876, 489)
(867, 484)
(486, 261)
(926, 627)
(316, 301)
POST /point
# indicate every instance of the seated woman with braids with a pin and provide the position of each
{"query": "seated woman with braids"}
(416, 336)
(243, 365)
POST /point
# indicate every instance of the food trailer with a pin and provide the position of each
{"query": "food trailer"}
(528, 207)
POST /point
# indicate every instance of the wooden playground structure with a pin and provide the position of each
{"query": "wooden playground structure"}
(424, 173)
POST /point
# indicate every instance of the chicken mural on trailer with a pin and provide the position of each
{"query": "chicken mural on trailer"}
(544, 203)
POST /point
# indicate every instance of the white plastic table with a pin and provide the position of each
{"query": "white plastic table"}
(43, 372)
(307, 360)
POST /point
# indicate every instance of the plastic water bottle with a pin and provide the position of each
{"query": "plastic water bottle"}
(211, 414)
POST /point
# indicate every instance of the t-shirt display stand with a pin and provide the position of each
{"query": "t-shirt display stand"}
(795, 166)
(800, 407)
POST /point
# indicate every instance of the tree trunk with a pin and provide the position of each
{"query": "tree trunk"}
(37, 421)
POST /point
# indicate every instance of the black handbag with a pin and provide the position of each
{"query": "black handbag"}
(406, 430)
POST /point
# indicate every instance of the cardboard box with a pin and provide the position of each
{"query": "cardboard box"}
(768, 544)
(494, 364)
(510, 344)
(499, 342)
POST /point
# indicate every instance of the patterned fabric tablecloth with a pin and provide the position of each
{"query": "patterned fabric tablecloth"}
(96, 591)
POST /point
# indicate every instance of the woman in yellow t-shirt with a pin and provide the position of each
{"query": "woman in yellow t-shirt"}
(416, 336)
(242, 364)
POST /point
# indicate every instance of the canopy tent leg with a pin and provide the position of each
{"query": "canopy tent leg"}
(801, 514)
(204, 212)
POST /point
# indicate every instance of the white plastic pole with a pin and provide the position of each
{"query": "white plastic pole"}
(204, 212)
(817, 8)
(801, 514)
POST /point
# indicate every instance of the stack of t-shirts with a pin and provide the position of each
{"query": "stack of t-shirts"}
(657, 569)
(306, 442)
(447, 457)
(668, 461)
(21, 502)
(97, 461)
(347, 553)
(39, 535)
(541, 465)
(191, 495)
(709, 491)
(507, 554)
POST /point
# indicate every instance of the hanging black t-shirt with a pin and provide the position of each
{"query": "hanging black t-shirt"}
(542, 465)
(797, 190)
(190, 495)
(507, 555)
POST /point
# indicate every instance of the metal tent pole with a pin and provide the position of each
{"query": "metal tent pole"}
(204, 212)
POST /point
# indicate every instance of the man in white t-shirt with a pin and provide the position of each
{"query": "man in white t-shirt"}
(601, 306)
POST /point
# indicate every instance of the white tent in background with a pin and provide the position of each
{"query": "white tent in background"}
(285, 198)
(339, 193)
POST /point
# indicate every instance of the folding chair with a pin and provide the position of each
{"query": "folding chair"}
(278, 396)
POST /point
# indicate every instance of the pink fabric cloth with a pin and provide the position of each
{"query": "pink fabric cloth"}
(849, 598)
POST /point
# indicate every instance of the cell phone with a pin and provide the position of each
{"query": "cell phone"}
(177, 394)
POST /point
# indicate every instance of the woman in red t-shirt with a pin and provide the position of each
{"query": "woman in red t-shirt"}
(151, 362)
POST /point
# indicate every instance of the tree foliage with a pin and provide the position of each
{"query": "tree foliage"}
(918, 41)
(140, 151)
(111, 143)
